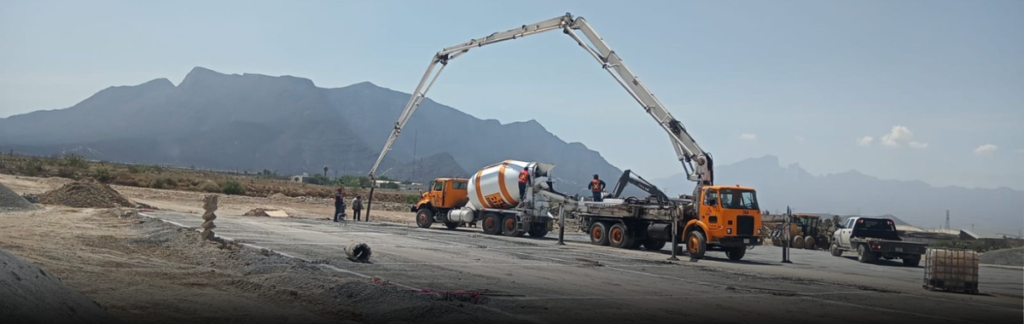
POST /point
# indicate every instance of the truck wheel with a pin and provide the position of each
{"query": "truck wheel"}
(424, 218)
(538, 230)
(492, 224)
(834, 249)
(654, 245)
(696, 245)
(808, 242)
(599, 233)
(451, 225)
(508, 226)
(736, 253)
(620, 237)
(864, 255)
(912, 261)
(798, 243)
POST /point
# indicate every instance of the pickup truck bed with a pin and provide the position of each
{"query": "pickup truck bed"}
(872, 242)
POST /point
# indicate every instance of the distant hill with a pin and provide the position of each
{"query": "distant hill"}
(284, 124)
(911, 202)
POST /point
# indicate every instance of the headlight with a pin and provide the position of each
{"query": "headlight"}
(728, 231)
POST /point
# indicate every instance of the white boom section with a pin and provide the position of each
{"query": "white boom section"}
(686, 148)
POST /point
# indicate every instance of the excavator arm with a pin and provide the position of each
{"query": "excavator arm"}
(685, 147)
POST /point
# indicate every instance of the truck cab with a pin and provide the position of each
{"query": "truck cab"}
(442, 195)
(726, 218)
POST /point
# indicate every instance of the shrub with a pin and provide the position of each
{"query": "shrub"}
(135, 168)
(163, 183)
(211, 187)
(102, 175)
(73, 160)
(232, 187)
(412, 199)
(32, 168)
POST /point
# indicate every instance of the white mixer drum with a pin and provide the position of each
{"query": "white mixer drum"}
(496, 185)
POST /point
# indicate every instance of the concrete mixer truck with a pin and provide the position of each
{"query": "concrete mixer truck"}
(713, 217)
(491, 198)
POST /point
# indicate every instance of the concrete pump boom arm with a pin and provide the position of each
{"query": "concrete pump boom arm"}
(686, 148)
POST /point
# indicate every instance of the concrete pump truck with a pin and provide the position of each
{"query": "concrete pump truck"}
(713, 217)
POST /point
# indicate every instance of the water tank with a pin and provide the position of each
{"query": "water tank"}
(497, 185)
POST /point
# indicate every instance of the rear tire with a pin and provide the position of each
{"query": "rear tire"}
(508, 226)
(424, 218)
(598, 233)
(492, 224)
(798, 243)
(696, 245)
(736, 253)
(864, 255)
(620, 237)
(654, 245)
(808, 242)
(538, 230)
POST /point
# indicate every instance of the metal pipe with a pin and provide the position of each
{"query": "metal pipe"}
(561, 225)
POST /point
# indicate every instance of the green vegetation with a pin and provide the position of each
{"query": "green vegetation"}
(232, 187)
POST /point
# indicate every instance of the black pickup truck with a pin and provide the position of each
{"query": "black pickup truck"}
(874, 238)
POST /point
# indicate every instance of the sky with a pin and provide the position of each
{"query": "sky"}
(909, 90)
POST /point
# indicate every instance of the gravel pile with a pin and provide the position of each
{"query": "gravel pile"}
(85, 194)
(31, 295)
(257, 212)
(10, 201)
(1007, 257)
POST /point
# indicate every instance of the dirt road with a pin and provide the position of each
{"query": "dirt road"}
(537, 280)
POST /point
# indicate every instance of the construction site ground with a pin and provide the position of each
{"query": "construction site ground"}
(150, 269)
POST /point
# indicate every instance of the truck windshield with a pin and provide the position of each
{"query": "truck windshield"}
(738, 199)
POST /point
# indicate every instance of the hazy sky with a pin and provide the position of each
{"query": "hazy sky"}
(914, 90)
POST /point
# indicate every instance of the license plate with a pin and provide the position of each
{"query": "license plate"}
(746, 241)
(899, 249)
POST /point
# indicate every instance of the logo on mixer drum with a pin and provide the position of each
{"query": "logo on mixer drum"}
(495, 201)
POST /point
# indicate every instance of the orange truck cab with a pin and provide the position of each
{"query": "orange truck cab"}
(727, 218)
(442, 195)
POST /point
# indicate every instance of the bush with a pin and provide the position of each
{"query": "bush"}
(102, 175)
(163, 183)
(73, 160)
(211, 187)
(32, 168)
(412, 199)
(135, 168)
(232, 187)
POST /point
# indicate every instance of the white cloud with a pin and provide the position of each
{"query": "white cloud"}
(985, 149)
(801, 139)
(748, 136)
(901, 135)
(865, 141)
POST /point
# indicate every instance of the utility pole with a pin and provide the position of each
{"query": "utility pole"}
(947, 219)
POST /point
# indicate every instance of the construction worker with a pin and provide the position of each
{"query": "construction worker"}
(524, 178)
(357, 206)
(597, 186)
(339, 205)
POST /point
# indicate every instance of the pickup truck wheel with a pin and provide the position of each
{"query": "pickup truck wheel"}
(808, 242)
(424, 218)
(834, 249)
(620, 237)
(696, 245)
(736, 253)
(508, 226)
(864, 255)
(599, 233)
(912, 261)
(492, 224)
(654, 245)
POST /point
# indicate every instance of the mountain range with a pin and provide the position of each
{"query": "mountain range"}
(854, 193)
(289, 125)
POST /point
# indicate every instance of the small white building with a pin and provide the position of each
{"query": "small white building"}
(300, 178)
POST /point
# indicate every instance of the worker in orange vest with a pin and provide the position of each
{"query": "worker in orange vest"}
(597, 186)
(524, 178)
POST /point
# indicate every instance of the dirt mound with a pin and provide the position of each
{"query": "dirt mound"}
(1007, 257)
(257, 212)
(31, 295)
(10, 201)
(85, 194)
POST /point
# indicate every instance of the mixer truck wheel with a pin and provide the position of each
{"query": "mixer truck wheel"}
(424, 218)
(508, 226)
(492, 223)
(599, 233)
(620, 237)
(538, 230)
